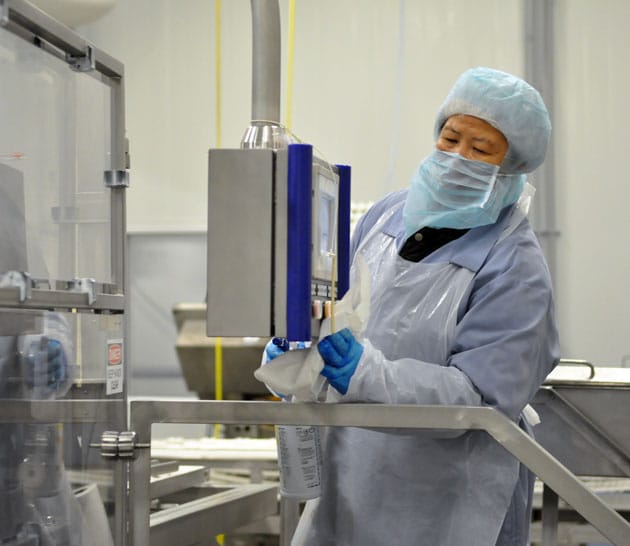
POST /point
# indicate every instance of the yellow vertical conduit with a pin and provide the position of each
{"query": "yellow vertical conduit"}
(218, 349)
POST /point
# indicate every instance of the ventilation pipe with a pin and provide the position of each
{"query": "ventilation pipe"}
(265, 130)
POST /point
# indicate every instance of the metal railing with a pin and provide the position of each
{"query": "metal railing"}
(548, 469)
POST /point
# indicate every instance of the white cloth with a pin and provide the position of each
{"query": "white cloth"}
(297, 372)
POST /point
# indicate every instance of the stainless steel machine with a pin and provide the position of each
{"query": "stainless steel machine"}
(585, 424)
(278, 216)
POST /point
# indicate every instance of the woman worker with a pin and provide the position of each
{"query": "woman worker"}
(461, 313)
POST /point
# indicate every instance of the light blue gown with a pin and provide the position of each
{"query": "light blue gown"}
(471, 324)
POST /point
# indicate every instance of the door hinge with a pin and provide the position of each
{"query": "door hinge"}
(119, 445)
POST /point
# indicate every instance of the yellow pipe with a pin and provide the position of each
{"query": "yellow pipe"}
(218, 350)
(218, 369)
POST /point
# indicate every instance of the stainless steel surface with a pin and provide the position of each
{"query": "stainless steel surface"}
(199, 520)
(508, 434)
(240, 244)
(289, 517)
(119, 162)
(196, 354)
(26, 20)
(265, 130)
(573, 362)
(250, 459)
(568, 534)
(585, 424)
(266, 60)
(586, 429)
(62, 411)
(262, 134)
(169, 481)
(60, 299)
(281, 218)
(549, 517)
(573, 530)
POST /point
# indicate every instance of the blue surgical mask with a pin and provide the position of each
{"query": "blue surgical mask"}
(450, 191)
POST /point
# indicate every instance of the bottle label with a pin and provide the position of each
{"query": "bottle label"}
(299, 461)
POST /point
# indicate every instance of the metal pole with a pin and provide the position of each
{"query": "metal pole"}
(265, 60)
(539, 62)
(549, 517)
(289, 517)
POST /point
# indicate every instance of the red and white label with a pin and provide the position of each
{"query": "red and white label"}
(114, 370)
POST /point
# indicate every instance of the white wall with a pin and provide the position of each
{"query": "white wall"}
(593, 194)
(363, 83)
(369, 76)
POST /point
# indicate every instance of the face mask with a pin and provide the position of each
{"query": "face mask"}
(450, 191)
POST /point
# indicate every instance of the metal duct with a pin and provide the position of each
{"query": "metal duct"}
(265, 130)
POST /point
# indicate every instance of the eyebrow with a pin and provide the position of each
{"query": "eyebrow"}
(476, 139)
(447, 126)
(482, 139)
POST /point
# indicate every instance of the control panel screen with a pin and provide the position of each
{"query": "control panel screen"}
(325, 222)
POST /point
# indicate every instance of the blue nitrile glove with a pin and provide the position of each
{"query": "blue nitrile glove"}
(47, 365)
(276, 347)
(341, 354)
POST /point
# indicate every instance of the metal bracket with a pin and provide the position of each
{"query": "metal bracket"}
(82, 63)
(17, 279)
(119, 445)
(85, 285)
(4, 13)
(117, 179)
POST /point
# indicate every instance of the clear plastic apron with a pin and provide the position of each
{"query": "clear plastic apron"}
(411, 488)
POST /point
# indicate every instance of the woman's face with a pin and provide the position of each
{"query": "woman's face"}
(472, 138)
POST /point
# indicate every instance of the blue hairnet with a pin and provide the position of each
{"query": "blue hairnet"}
(510, 105)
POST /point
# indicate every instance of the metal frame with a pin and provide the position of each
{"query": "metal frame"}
(42, 31)
(34, 25)
(60, 299)
(144, 413)
(606, 457)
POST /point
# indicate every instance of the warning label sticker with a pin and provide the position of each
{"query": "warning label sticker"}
(114, 371)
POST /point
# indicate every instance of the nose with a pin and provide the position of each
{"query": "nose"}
(464, 149)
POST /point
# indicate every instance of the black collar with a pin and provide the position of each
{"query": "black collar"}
(426, 240)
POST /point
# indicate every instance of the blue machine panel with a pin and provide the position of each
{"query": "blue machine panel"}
(299, 233)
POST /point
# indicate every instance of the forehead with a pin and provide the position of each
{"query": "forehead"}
(463, 123)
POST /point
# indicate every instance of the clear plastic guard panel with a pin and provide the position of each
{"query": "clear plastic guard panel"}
(47, 355)
(55, 144)
(51, 481)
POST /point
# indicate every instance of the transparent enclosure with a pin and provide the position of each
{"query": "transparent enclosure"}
(55, 140)
(62, 358)
(51, 480)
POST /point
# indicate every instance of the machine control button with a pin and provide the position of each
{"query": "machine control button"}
(418, 236)
(317, 309)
